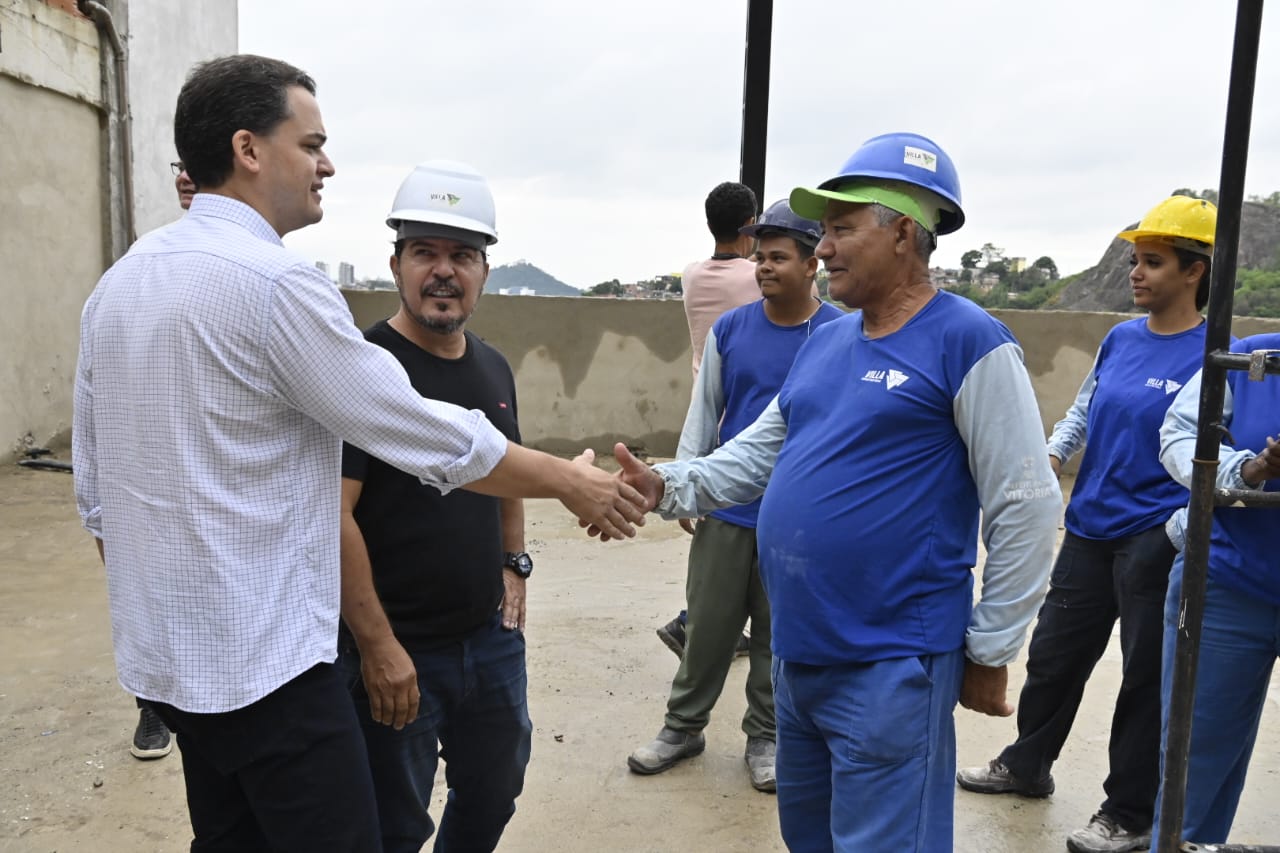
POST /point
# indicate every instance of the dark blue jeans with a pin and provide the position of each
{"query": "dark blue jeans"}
(474, 705)
(1239, 643)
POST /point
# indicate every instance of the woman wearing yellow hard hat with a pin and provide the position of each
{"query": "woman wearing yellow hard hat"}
(1115, 556)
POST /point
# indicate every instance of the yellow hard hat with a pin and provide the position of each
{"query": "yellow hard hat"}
(1180, 221)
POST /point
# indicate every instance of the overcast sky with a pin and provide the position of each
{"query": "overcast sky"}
(602, 125)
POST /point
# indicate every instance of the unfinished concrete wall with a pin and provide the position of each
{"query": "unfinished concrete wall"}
(594, 371)
(589, 372)
(53, 245)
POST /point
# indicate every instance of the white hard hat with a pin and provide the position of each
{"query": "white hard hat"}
(444, 198)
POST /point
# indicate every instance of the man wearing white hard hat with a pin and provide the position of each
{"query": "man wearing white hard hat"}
(218, 374)
(434, 585)
(900, 429)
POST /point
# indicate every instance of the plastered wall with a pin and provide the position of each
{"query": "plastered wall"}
(52, 237)
(590, 372)
(54, 172)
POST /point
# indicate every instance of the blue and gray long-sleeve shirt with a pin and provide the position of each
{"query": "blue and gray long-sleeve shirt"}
(880, 455)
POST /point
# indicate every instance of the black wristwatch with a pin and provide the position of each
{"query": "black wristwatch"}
(518, 562)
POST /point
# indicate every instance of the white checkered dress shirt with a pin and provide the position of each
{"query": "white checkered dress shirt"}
(218, 373)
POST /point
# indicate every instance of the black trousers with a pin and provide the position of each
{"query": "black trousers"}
(1093, 583)
(286, 773)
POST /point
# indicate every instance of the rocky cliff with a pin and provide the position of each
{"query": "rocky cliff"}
(1105, 286)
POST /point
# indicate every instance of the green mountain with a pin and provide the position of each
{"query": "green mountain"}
(512, 277)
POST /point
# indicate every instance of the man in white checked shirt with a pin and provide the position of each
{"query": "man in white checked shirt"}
(218, 374)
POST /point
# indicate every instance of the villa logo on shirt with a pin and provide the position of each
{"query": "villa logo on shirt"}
(1169, 386)
(890, 378)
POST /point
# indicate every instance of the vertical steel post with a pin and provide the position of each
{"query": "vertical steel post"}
(755, 96)
(1235, 151)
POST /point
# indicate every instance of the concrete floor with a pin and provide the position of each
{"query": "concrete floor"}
(598, 679)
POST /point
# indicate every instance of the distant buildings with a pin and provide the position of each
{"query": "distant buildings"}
(346, 274)
(324, 268)
(516, 291)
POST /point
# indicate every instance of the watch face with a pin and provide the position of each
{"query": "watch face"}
(521, 564)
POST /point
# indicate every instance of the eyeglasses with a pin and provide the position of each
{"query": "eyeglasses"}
(177, 167)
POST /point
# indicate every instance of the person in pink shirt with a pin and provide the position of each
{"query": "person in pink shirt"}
(711, 287)
(727, 279)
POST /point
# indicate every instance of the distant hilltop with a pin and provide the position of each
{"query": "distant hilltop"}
(524, 278)
(1105, 286)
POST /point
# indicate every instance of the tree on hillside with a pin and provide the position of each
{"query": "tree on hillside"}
(1000, 268)
(612, 287)
(969, 260)
(1050, 268)
(1210, 195)
(991, 253)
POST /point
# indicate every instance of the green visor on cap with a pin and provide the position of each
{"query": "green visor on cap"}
(921, 205)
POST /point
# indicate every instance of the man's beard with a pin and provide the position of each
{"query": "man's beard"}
(440, 325)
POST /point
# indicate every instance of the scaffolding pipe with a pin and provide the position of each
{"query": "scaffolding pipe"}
(106, 24)
(755, 97)
(1235, 153)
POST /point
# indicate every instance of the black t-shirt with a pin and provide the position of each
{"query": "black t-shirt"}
(437, 559)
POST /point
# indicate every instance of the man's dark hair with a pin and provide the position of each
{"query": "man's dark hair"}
(226, 95)
(729, 206)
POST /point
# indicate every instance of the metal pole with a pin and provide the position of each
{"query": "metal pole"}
(755, 96)
(1235, 151)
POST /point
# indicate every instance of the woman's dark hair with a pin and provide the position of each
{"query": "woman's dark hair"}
(226, 95)
(1185, 259)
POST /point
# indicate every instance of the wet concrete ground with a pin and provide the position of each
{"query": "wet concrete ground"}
(598, 679)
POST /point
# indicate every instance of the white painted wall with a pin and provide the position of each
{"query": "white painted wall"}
(165, 39)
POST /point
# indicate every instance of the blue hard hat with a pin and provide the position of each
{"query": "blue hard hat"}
(906, 158)
(781, 219)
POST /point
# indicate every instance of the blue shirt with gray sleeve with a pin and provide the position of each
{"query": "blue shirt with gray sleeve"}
(879, 454)
(1242, 553)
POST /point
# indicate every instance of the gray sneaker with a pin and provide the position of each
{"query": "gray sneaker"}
(666, 749)
(760, 755)
(1104, 835)
(996, 778)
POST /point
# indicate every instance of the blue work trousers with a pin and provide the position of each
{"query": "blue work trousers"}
(1238, 647)
(474, 707)
(866, 755)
